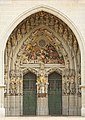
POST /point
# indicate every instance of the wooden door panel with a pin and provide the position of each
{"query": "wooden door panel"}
(29, 94)
(55, 94)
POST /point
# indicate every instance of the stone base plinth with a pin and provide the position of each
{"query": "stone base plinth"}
(2, 112)
(83, 112)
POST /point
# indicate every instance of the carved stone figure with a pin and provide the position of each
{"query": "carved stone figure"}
(41, 18)
(70, 40)
(32, 21)
(64, 88)
(8, 47)
(67, 61)
(68, 87)
(17, 85)
(75, 45)
(51, 21)
(19, 36)
(56, 25)
(28, 26)
(79, 83)
(61, 29)
(72, 86)
(37, 20)
(12, 86)
(23, 29)
(21, 86)
(65, 35)
(47, 20)
(13, 39)
(41, 83)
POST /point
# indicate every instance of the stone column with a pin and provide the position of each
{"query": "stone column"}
(2, 109)
(82, 85)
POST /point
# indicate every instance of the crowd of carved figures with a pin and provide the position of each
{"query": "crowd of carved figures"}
(15, 83)
(48, 50)
(15, 86)
(70, 85)
(35, 54)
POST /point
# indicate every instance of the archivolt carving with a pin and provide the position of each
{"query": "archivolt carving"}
(47, 19)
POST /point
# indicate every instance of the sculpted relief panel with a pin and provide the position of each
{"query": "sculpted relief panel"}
(35, 54)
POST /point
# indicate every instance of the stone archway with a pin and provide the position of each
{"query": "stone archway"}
(45, 29)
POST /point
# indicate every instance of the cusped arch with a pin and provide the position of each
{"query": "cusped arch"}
(26, 70)
(51, 70)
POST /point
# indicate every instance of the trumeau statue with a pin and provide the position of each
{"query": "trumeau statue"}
(41, 80)
(41, 84)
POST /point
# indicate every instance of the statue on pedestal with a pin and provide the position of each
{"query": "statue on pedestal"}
(42, 82)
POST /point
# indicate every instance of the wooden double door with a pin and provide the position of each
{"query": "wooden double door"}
(30, 94)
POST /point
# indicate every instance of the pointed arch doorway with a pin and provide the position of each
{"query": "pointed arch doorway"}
(55, 94)
(29, 94)
(43, 37)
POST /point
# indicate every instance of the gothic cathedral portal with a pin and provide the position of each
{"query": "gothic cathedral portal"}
(42, 68)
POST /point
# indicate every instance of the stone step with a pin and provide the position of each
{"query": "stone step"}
(44, 118)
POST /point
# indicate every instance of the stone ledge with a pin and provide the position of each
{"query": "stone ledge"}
(82, 86)
(2, 85)
(44, 118)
